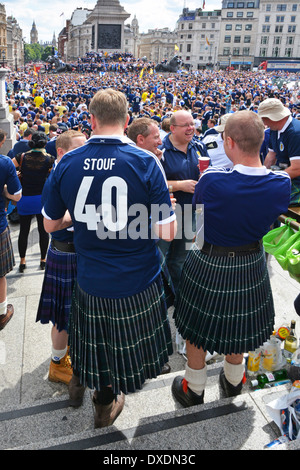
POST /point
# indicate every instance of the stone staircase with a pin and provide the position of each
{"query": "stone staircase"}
(151, 421)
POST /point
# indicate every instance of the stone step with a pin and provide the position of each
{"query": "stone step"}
(151, 420)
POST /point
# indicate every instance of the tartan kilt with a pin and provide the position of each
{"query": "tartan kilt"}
(56, 295)
(225, 304)
(119, 342)
(7, 259)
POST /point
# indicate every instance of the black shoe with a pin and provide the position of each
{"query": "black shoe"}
(186, 398)
(229, 389)
(22, 267)
(166, 369)
(42, 265)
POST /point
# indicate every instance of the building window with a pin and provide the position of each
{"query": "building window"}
(281, 7)
(230, 14)
(278, 29)
(227, 39)
(294, 7)
(293, 19)
(247, 39)
(275, 52)
(266, 29)
(248, 27)
(263, 52)
(290, 40)
(279, 19)
(291, 29)
(190, 25)
(246, 51)
(230, 5)
(277, 40)
(249, 14)
(238, 27)
(240, 14)
(228, 27)
(188, 48)
(236, 51)
(226, 50)
(237, 39)
(240, 5)
(288, 52)
(268, 7)
(267, 19)
(264, 40)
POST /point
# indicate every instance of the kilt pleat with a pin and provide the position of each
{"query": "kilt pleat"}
(7, 259)
(119, 342)
(57, 289)
(225, 304)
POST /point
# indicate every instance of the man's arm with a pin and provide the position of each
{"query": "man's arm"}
(294, 169)
(59, 224)
(14, 197)
(270, 159)
(187, 186)
(166, 231)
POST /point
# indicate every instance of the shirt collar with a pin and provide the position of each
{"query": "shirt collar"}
(288, 122)
(109, 139)
(251, 171)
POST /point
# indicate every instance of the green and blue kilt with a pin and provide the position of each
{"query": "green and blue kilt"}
(7, 259)
(119, 342)
(225, 304)
(57, 289)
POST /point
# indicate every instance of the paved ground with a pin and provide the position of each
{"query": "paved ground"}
(34, 412)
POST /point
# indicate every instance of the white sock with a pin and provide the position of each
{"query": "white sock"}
(196, 379)
(234, 372)
(3, 307)
(58, 354)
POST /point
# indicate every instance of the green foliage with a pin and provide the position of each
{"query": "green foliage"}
(36, 52)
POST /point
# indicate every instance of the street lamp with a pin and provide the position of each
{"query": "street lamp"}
(3, 58)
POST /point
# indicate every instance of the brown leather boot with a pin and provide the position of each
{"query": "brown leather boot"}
(4, 319)
(105, 415)
(76, 391)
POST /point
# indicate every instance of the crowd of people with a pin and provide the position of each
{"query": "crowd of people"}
(138, 136)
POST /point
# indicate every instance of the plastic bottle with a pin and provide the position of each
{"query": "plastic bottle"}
(264, 379)
(272, 356)
(290, 343)
(296, 357)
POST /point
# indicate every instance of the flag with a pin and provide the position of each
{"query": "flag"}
(207, 42)
(203, 6)
(61, 14)
(176, 47)
(142, 73)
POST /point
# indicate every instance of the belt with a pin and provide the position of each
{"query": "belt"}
(63, 246)
(231, 251)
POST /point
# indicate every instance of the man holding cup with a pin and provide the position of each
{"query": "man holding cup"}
(180, 160)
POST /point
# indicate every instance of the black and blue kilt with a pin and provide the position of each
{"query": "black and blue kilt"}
(57, 289)
(7, 259)
(225, 304)
(119, 342)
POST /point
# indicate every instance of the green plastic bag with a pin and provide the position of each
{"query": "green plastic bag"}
(275, 238)
(281, 253)
(293, 262)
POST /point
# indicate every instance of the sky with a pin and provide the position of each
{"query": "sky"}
(50, 16)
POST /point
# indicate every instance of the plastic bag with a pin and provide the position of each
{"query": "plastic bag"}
(280, 254)
(286, 406)
(293, 262)
(275, 238)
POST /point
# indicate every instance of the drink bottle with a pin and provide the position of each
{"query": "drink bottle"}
(264, 379)
(290, 343)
